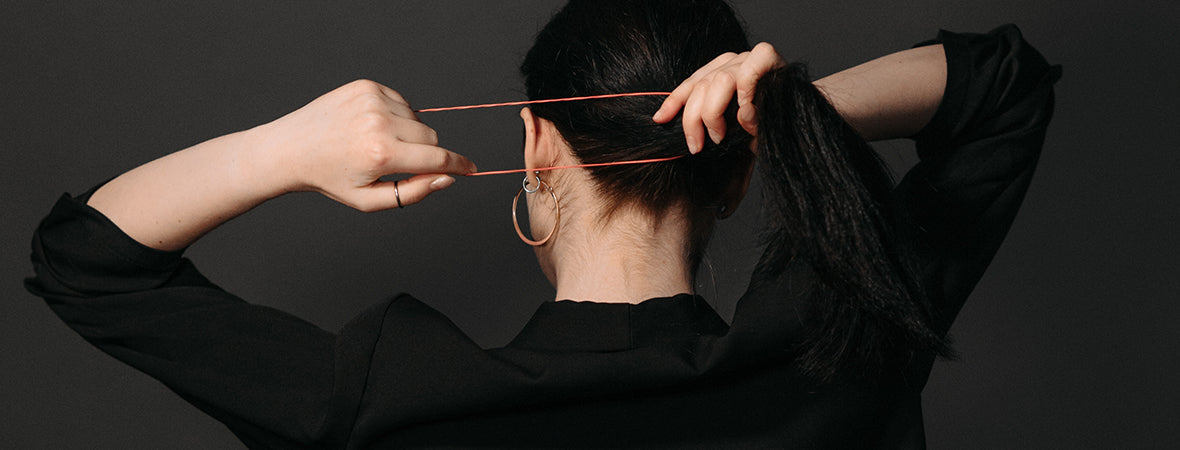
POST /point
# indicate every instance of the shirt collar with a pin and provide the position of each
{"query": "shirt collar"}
(605, 327)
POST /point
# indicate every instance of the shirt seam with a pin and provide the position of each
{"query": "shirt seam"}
(368, 374)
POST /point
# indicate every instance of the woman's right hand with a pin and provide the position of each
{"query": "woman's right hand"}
(340, 144)
(706, 94)
(343, 142)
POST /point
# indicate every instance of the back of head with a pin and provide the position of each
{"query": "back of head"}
(825, 189)
(595, 47)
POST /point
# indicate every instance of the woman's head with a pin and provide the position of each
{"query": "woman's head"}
(826, 194)
(613, 46)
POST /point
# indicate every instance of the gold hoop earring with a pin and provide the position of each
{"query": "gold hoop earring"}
(556, 209)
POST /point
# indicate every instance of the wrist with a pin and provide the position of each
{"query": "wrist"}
(889, 97)
(263, 167)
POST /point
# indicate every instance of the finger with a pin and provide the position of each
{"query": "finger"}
(410, 130)
(401, 109)
(363, 87)
(379, 126)
(397, 105)
(680, 95)
(409, 157)
(694, 129)
(716, 101)
(762, 59)
(394, 101)
(673, 102)
(382, 195)
(390, 93)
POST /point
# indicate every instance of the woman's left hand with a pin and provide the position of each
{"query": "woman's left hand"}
(706, 94)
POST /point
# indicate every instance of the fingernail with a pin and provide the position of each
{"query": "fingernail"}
(748, 117)
(693, 146)
(441, 183)
(715, 136)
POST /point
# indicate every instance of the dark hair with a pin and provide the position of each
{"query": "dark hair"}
(603, 47)
(826, 200)
(825, 187)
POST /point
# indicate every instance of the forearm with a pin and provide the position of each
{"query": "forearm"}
(340, 145)
(170, 202)
(892, 96)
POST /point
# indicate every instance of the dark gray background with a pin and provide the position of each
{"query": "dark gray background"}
(1068, 342)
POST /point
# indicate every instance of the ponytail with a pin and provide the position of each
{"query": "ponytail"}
(826, 202)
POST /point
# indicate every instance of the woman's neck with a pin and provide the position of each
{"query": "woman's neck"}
(629, 259)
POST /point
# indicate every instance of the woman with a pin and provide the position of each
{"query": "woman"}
(829, 347)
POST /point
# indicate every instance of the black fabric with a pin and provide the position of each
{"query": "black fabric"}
(665, 372)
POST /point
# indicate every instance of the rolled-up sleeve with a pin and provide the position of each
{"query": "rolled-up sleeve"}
(266, 374)
(977, 157)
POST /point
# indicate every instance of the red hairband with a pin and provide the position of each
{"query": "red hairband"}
(551, 100)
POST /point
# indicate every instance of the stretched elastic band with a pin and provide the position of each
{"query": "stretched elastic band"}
(543, 169)
(549, 100)
(552, 100)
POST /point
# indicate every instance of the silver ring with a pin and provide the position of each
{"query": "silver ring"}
(396, 195)
(525, 184)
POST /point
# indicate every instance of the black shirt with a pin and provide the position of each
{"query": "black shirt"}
(665, 372)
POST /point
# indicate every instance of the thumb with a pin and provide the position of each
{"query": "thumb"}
(747, 116)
